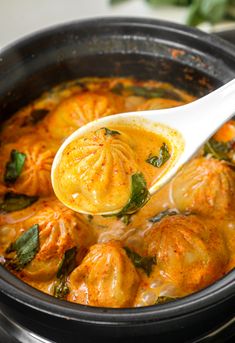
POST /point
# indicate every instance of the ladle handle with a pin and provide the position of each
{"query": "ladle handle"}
(209, 113)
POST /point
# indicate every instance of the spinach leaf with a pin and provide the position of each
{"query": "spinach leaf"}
(153, 92)
(218, 150)
(26, 247)
(35, 116)
(14, 166)
(118, 88)
(158, 217)
(61, 288)
(139, 195)
(164, 300)
(66, 266)
(126, 219)
(15, 202)
(68, 263)
(90, 217)
(146, 92)
(144, 262)
(109, 132)
(158, 161)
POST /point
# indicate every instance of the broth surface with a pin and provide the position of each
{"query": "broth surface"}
(180, 241)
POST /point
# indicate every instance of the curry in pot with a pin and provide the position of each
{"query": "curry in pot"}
(161, 249)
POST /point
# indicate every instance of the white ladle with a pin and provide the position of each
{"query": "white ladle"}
(196, 122)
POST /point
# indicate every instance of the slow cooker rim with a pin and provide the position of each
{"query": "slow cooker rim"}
(195, 33)
(21, 292)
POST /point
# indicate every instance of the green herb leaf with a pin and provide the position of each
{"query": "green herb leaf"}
(90, 217)
(158, 161)
(68, 263)
(118, 88)
(14, 166)
(166, 213)
(15, 202)
(218, 150)
(139, 195)
(126, 219)
(146, 92)
(66, 266)
(35, 116)
(26, 247)
(153, 92)
(109, 132)
(61, 288)
(144, 262)
(165, 299)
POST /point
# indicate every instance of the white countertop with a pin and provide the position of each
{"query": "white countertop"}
(21, 17)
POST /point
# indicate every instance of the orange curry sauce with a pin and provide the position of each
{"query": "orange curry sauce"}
(182, 240)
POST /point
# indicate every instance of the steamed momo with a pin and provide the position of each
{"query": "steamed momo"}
(122, 258)
(105, 278)
(96, 171)
(81, 109)
(190, 252)
(59, 230)
(35, 178)
(205, 186)
(158, 103)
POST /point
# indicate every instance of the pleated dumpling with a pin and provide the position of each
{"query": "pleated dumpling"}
(205, 186)
(158, 103)
(80, 109)
(34, 177)
(106, 277)
(94, 172)
(191, 253)
(59, 230)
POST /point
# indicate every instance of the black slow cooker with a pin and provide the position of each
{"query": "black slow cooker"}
(145, 49)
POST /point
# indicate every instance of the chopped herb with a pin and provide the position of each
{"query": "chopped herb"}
(165, 299)
(82, 84)
(35, 116)
(68, 263)
(14, 166)
(61, 288)
(38, 115)
(90, 217)
(66, 266)
(118, 88)
(146, 92)
(166, 213)
(26, 247)
(158, 161)
(126, 219)
(153, 92)
(109, 132)
(218, 150)
(139, 195)
(15, 202)
(144, 262)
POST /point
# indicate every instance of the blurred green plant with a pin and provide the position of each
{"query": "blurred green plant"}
(212, 11)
